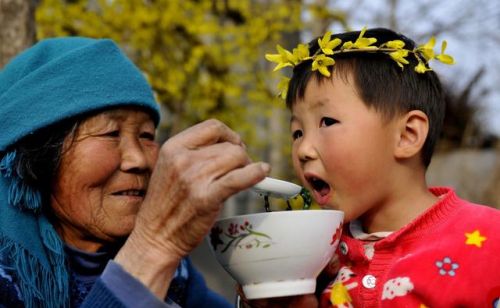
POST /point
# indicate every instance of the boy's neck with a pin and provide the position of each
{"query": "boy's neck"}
(406, 202)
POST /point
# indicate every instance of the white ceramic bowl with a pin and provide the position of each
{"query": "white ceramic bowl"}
(279, 253)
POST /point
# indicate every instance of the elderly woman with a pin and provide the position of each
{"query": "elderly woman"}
(93, 212)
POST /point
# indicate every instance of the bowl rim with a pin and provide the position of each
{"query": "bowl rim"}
(281, 213)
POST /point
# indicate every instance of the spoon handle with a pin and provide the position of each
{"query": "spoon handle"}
(277, 188)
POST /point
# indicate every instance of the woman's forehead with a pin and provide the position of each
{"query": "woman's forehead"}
(122, 113)
(110, 117)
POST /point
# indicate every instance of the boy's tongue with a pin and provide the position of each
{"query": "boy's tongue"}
(321, 192)
(321, 197)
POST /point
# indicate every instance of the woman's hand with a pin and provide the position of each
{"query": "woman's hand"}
(196, 171)
(299, 301)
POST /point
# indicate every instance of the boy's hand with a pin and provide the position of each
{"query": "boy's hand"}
(306, 301)
(299, 301)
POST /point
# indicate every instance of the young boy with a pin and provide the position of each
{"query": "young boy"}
(367, 111)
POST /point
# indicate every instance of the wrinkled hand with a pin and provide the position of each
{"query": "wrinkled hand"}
(196, 171)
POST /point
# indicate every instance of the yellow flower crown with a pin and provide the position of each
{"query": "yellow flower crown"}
(323, 58)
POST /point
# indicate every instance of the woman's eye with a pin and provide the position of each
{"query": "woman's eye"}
(296, 134)
(328, 121)
(113, 133)
(148, 136)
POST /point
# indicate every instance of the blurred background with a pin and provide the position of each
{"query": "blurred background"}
(205, 58)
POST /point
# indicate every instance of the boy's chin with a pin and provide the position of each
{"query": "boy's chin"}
(328, 206)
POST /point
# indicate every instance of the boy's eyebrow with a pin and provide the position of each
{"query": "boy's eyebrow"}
(320, 102)
(315, 105)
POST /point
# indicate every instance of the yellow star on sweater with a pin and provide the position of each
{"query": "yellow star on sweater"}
(475, 238)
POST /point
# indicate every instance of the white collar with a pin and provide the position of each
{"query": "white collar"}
(356, 229)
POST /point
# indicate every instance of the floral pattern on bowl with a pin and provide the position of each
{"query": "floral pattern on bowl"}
(241, 236)
(336, 236)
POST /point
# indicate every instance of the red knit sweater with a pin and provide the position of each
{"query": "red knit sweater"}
(447, 257)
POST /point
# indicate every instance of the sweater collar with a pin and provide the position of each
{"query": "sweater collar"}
(436, 215)
(426, 222)
(84, 263)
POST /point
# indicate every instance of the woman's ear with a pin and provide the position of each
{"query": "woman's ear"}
(412, 133)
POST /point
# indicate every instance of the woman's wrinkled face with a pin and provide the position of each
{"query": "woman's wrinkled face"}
(103, 177)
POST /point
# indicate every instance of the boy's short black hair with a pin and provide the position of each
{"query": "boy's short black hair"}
(381, 83)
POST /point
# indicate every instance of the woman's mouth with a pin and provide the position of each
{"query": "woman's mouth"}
(131, 193)
(320, 190)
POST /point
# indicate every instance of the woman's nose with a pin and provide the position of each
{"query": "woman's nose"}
(134, 157)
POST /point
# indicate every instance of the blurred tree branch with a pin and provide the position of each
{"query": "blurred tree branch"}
(17, 27)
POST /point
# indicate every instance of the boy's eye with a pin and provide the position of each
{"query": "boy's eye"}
(328, 121)
(296, 134)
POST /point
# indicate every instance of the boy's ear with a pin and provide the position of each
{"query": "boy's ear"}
(413, 128)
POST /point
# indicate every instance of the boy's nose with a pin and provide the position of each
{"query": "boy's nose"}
(306, 150)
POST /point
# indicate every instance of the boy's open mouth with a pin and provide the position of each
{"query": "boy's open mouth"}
(321, 189)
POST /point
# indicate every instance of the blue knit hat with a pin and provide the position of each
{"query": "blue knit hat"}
(54, 80)
(64, 77)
